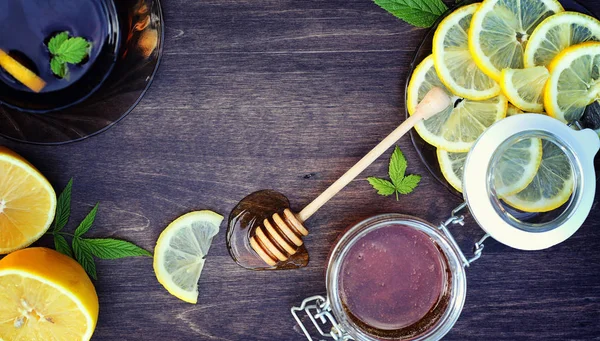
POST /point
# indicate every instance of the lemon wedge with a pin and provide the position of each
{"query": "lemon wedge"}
(500, 30)
(453, 61)
(180, 252)
(524, 88)
(457, 127)
(558, 32)
(574, 81)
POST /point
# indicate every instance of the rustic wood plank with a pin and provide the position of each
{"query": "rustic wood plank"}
(287, 95)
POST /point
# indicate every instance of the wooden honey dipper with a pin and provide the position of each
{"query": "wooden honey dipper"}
(279, 238)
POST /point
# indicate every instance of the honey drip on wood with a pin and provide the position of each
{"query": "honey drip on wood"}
(249, 214)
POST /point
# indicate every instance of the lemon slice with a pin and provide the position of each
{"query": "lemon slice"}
(180, 252)
(452, 166)
(517, 166)
(524, 88)
(515, 169)
(27, 202)
(552, 185)
(512, 110)
(500, 30)
(45, 295)
(574, 81)
(558, 32)
(453, 61)
(457, 127)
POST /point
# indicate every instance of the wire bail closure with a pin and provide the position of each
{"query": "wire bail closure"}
(319, 308)
(456, 219)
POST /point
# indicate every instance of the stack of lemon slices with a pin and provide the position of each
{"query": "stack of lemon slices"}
(500, 58)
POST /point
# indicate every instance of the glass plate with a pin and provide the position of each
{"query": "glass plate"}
(426, 152)
(138, 55)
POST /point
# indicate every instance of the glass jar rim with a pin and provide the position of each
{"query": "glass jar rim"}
(457, 276)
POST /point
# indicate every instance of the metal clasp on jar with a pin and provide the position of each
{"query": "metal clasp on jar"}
(455, 219)
(318, 310)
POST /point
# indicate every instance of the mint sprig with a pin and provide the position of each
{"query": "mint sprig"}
(65, 51)
(85, 249)
(420, 13)
(398, 183)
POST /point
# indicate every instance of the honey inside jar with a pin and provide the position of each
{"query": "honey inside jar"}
(393, 282)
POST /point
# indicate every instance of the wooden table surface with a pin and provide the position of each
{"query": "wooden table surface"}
(287, 95)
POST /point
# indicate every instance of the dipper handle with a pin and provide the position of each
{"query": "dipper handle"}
(435, 101)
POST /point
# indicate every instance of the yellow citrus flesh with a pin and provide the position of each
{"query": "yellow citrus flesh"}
(574, 81)
(524, 88)
(558, 32)
(45, 295)
(500, 30)
(27, 202)
(514, 170)
(512, 110)
(552, 185)
(181, 250)
(21, 73)
(452, 166)
(453, 62)
(456, 128)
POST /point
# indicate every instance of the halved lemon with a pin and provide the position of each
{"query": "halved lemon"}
(457, 127)
(27, 202)
(181, 250)
(574, 81)
(453, 61)
(552, 185)
(45, 295)
(514, 170)
(500, 30)
(558, 32)
(524, 88)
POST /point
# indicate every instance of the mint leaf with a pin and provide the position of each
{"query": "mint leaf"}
(399, 184)
(66, 50)
(108, 248)
(408, 184)
(420, 13)
(397, 166)
(87, 222)
(63, 207)
(59, 68)
(56, 42)
(61, 245)
(382, 186)
(73, 50)
(84, 256)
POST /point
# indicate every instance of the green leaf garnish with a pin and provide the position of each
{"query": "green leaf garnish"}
(58, 67)
(65, 51)
(108, 248)
(61, 245)
(57, 41)
(382, 186)
(63, 207)
(73, 50)
(420, 13)
(85, 225)
(84, 256)
(84, 249)
(399, 183)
